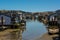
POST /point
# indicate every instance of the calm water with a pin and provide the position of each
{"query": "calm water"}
(33, 29)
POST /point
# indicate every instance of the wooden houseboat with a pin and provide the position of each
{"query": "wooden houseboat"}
(52, 19)
(9, 21)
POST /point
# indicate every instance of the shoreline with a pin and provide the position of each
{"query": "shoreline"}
(44, 36)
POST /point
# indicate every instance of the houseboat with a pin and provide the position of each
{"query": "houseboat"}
(52, 19)
(9, 21)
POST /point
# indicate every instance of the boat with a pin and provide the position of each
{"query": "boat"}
(53, 30)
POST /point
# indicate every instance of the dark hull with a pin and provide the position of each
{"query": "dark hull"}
(53, 23)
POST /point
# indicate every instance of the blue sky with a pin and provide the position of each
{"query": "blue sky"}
(30, 5)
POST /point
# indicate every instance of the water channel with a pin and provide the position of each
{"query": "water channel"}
(32, 30)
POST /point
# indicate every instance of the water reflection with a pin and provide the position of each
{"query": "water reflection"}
(12, 34)
(32, 29)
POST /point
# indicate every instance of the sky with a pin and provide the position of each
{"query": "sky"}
(30, 5)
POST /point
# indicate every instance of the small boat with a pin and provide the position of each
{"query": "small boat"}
(53, 30)
(2, 28)
(23, 22)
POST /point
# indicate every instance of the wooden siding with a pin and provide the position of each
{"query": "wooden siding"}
(6, 20)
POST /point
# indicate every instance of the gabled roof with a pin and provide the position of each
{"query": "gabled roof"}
(9, 14)
(6, 14)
